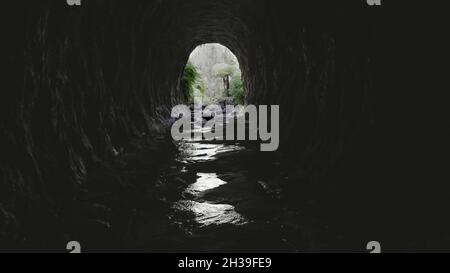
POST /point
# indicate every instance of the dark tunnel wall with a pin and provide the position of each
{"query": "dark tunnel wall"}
(84, 81)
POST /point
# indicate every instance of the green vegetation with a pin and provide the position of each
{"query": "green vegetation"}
(234, 89)
(224, 71)
(191, 83)
(193, 86)
(237, 90)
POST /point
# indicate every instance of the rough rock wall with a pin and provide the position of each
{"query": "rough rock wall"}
(83, 82)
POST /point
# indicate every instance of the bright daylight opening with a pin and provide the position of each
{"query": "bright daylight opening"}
(213, 74)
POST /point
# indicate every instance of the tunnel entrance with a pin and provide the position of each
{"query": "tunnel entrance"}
(213, 75)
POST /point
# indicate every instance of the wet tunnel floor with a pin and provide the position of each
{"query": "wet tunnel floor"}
(222, 197)
(215, 204)
(158, 195)
(226, 203)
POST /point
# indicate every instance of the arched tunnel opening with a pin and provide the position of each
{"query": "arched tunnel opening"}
(86, 117)
(213, 75)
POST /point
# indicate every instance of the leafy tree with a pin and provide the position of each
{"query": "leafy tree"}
(224, 71)
(237, 90)
(190, 82)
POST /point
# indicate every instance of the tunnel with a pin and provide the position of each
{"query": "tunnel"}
(89, 90)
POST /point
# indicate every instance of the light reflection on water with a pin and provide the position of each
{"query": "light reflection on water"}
(191, 152)
(211, 214)
(206, 213)
(206, 181)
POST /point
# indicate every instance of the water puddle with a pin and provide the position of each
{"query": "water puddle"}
(204, 213)
(207, 214)
(206, 181)
(192, 152)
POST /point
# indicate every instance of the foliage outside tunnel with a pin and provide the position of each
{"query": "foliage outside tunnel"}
(213, 74)
(191, 84)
